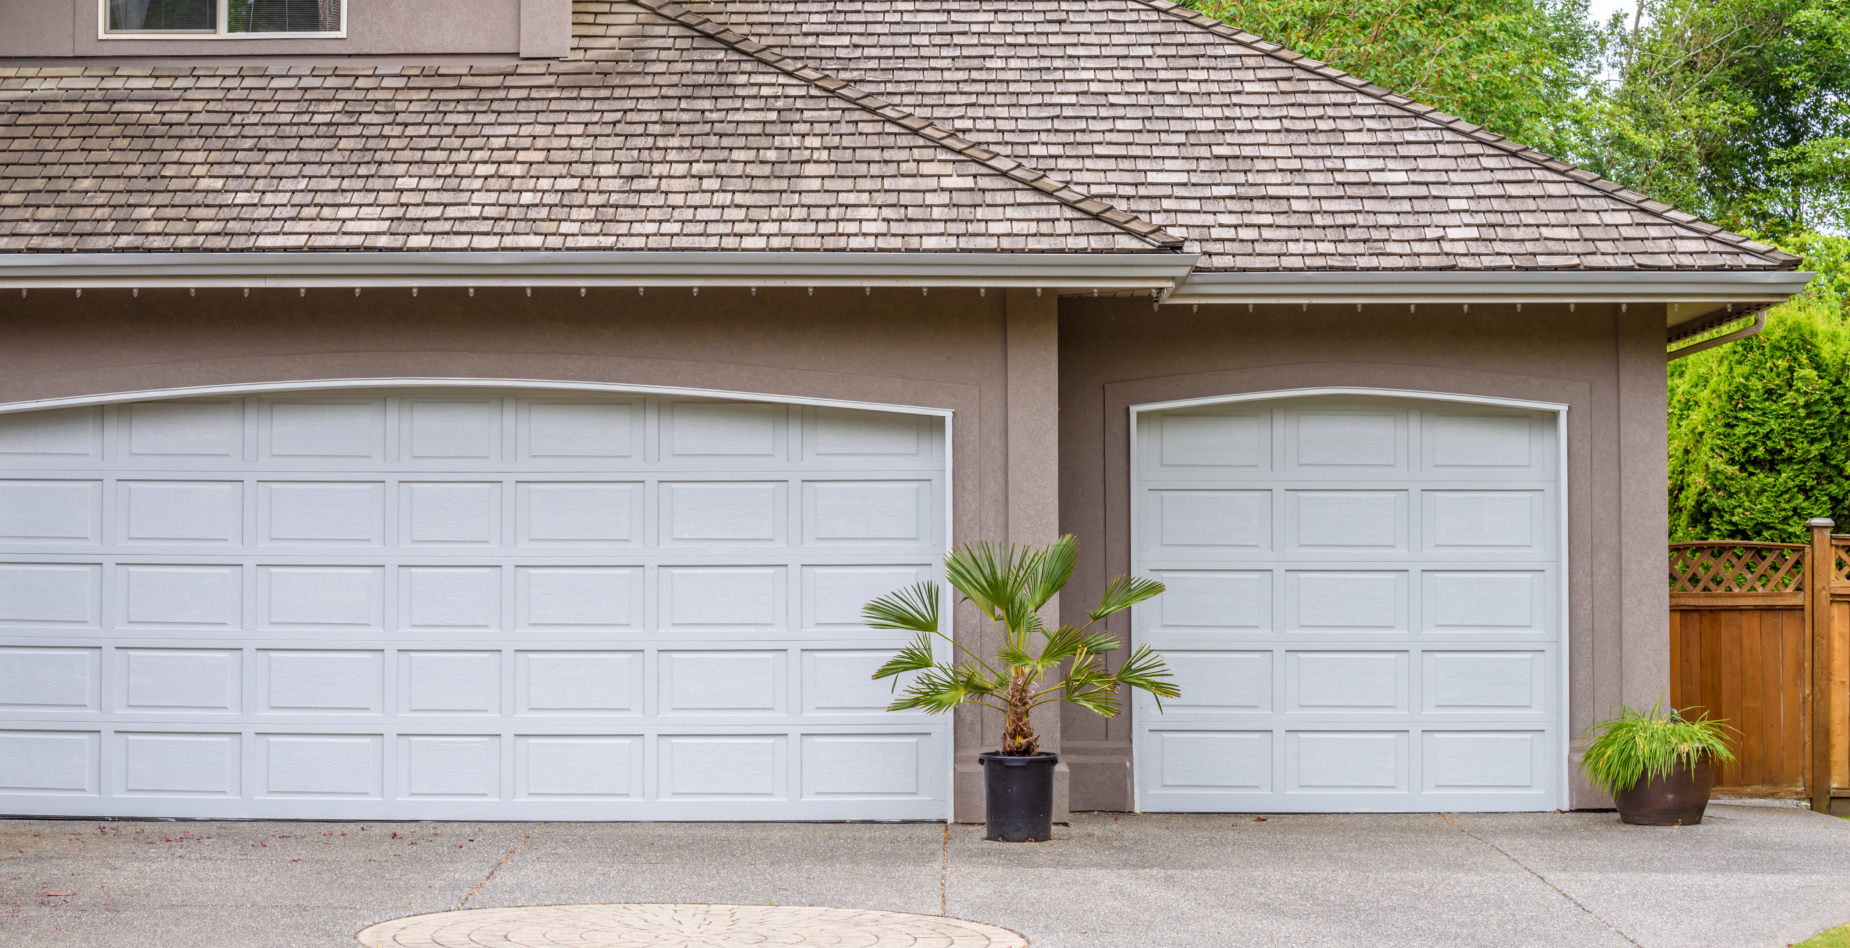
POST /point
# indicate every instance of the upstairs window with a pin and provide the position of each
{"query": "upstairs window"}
(186, 19)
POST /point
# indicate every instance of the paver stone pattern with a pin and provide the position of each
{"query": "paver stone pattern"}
(683, 926)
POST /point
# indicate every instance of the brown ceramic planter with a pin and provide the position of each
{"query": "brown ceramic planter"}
(1675, 799)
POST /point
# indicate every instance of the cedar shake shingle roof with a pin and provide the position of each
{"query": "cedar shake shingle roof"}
(708, 150)
(1262, 159)
(955, 125)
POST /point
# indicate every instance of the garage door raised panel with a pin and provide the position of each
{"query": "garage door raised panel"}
(468, 603)
(1362, 606)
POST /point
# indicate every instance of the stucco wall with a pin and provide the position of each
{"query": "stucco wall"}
(985, 358)
(58, 28)
(1606, 365)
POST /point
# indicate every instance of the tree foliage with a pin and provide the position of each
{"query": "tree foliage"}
(1760, 429)
(1735, 110)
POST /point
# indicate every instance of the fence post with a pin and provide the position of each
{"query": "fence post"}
(1818, 612)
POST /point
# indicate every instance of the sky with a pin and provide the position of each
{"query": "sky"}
(1602, 10)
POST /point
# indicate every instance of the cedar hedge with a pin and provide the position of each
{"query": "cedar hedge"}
(1760, 429)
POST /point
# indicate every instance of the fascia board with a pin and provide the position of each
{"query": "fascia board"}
(1508, 286)
(1152, 271)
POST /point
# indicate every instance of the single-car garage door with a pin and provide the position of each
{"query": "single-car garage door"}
(462, 604)
(1363, 605)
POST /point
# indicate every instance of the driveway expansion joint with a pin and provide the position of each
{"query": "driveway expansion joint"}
(944, 872)
(1542, 878)
(497, 868)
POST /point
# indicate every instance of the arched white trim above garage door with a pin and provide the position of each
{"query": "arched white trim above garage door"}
(1239, 745)
(316, 385)
(422, 633)
(1346, 390)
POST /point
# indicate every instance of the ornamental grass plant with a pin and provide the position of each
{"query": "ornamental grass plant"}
(1632, 746)
(1009, 584)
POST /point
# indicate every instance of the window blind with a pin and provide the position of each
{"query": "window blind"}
(160, 15)
(284, 16)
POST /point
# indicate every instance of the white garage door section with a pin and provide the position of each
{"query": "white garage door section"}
(468, 604)
(1362, 609)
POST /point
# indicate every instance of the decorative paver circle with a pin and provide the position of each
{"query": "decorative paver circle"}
(642, 925)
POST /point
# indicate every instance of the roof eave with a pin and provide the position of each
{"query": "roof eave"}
(1495, 286)
(1102, 271)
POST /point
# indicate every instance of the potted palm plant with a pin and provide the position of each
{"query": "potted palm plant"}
(1009, 585)
(1659, 769)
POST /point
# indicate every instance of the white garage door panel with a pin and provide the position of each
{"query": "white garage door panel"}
(462, 605)
(1362, 607)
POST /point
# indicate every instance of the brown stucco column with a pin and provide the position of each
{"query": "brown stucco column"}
(1644, 521)
(1032, 489)
(1034, 464)
(1621, 633)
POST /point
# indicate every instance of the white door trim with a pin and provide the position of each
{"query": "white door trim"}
(1344, 390)
(1564, 753)
(309, 385)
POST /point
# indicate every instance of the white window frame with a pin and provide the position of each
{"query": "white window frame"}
(222, 19)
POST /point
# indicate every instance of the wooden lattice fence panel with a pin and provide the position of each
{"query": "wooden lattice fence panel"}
(1758, 568)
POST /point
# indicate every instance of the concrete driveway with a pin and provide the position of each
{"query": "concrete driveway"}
(1749, 876)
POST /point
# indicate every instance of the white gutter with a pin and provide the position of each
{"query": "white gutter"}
(1752, 329)
(1073, 272)
(1494, 286)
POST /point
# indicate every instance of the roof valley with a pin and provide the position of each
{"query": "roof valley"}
(951, 141)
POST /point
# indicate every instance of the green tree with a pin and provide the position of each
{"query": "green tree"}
(1760, 429)
(1735, 110)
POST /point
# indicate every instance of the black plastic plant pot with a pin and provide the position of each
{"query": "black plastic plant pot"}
(1018, 797)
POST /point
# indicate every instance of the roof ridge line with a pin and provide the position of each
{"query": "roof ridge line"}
(987, 157)
(1612, 189)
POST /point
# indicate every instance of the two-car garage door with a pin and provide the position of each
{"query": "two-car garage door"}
(483, 604)
(1363, 605)
(463, 603)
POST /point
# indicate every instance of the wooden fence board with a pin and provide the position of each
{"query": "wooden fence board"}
(1792, 721)
(1773, 663)
(1728, 705)
(1840, 692)
(1753, 766)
